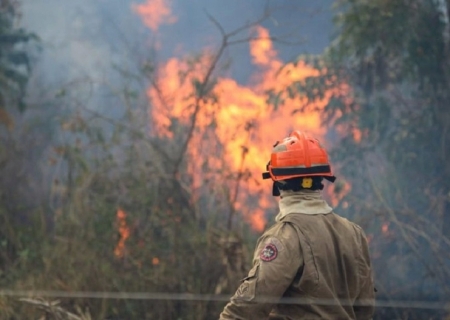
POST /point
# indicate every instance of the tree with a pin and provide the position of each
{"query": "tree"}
(14, 60)
(14, 74)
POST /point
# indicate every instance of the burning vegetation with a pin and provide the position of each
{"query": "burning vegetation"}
(124, 233)
(233, 125)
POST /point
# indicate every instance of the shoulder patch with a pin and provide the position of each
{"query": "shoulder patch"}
(269, 252)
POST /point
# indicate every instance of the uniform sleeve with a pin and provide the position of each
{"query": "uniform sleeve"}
(277, 259)
(365, 303)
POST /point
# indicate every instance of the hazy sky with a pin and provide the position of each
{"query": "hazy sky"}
(85, 37)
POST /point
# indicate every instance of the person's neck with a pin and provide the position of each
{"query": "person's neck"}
(302, 202)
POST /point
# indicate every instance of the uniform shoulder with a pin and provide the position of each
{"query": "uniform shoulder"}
(281, 237)
(280, 230)
(355, 226)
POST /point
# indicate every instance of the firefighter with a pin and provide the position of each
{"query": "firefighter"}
(312, 263)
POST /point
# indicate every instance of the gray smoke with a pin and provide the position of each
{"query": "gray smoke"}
(84, 38)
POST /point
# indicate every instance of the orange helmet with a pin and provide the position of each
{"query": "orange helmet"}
(298, 155)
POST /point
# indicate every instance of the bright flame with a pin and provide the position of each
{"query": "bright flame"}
(234, 131)
(154, 13)
(261, 50)
(124, 233)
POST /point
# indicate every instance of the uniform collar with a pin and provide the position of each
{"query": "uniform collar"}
(302, 202)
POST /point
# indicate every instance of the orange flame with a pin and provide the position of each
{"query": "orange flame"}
(261, 50)
(385, 228)
(155, 13)
(336, 197)
(235, 130)
(124, 233)
(357, 135)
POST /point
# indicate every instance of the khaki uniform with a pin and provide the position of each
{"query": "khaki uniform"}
(309, 265)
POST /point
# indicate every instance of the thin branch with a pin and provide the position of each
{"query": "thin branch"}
(236, 188)
(226, 41)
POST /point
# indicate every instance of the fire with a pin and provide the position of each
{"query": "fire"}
(261, 50)
(124, 233)
(336, 194)
(385, 228)
(155, 13)
(357, 135)
(234, 130)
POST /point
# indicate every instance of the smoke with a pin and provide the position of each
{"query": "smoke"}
(84, 38)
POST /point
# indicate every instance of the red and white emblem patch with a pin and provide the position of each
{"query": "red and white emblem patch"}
(269, 253)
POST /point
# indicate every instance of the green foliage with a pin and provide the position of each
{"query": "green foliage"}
(14, 59)
(390, 41)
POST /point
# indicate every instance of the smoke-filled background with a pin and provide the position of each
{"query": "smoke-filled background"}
(134, 134)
